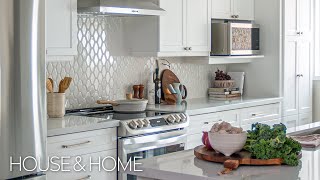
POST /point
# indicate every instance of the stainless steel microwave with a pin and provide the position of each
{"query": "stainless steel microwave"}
(235, 39)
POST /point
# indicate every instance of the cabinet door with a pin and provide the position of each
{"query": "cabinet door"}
(172, 26)
(222, 9)
(305, 118)
(244, 9)
(305, 15)
(290, 83)
(291, 17)
(305, 81)
(291, 121)
(61, 27)
(198, 21)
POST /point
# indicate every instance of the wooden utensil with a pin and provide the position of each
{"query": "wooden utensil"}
(49, 85)
(51, 80)
(64, 84)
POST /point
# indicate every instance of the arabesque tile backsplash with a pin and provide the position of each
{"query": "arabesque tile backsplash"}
(97, 74)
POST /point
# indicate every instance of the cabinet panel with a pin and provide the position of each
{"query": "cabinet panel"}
(305, 118)
(198, 22)
(305, 81)
(194, 141)
(203, 122)
(61, 27)
(291, 17)
(290, 92)
(244, 9)
(172, 31)
(291, 121)
(305, 17)
(222, 9)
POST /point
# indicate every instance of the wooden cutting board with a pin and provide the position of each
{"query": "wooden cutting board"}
(244, 157)
(167, 77)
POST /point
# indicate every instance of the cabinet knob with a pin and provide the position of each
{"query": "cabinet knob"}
(301, 33)
(185, 48)
(237, 16)
(298, 33)
(233, 16)
(190, 48)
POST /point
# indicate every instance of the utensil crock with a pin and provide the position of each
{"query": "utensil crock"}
(56, 105)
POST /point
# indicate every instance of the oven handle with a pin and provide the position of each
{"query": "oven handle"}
(159, 143)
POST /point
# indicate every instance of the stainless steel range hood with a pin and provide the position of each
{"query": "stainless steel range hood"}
(120, 7)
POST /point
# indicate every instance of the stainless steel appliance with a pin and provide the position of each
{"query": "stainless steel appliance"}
(144, 134)
(235, 39)
(120, 7)
(22, 86)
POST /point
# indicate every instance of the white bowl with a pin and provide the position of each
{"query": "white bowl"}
(227, 144)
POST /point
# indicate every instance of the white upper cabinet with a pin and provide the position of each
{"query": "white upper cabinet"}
(61, 27)
(197, 25)
(172, 26)
(298, 17)
(233, 9)
(184, 30)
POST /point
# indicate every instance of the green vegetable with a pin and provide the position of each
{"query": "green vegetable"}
(265, 142)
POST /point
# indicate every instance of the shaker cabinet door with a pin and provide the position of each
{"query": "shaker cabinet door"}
(290, 82)
(61, 27)
(244, 9)
(305, 81)
(222, 9)
(172, 26)
(291, 17)
(198, 21)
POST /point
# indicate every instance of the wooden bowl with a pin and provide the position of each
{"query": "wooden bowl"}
(224, 83)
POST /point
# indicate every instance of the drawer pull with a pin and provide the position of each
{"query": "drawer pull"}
(206, 123)
(85, 178)
(257, 114)
(75, 145)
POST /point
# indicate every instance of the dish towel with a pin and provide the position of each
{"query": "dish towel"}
(308, 141)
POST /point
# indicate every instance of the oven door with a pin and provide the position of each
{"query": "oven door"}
(244, 39)
(150, 146)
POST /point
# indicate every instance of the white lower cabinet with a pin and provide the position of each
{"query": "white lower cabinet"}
(245, 117)
(90, 146)
(297, 120)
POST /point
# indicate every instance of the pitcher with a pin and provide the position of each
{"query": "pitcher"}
(181, 92)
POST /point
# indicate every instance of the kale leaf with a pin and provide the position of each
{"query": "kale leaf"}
(265, 142)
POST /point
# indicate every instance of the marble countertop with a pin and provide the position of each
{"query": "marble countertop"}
(185, 166)
(74, 124)
(204, 105)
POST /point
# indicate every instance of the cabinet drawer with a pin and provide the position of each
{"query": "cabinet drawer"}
(94, 174)
(83, 143)
(247, 127)
(203, 122)
(259, 114)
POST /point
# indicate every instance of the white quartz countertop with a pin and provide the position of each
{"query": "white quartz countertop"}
(185, 166)
(205, 105)
(74, 124)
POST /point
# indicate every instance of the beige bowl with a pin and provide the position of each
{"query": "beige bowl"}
(227, 144)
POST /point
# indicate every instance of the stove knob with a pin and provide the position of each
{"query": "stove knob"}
(171, 119)
(183, 117)
(139, 123)
(133, 125)
(178, 118)
(146, 123)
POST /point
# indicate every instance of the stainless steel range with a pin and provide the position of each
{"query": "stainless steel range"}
(144, 134)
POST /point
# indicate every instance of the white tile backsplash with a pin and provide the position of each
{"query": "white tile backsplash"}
(99, 74)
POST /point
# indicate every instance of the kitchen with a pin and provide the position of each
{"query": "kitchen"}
(91, 52)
